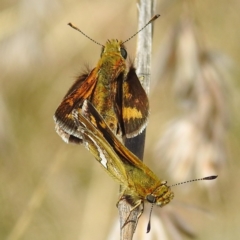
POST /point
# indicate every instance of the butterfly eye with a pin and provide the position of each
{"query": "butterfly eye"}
(123, 52)
(151, 198)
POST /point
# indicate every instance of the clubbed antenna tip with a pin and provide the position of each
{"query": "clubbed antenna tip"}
(195, 180)
(150, 21)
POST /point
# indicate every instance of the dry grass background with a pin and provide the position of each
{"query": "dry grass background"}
(51, 190)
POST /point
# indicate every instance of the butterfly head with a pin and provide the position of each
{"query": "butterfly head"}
(114, 46)
(161, 196)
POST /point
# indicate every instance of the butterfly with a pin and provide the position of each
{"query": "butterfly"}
(138, 181)
(113, 89)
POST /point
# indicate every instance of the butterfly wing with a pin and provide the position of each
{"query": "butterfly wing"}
(141, 180)
(126, 156)
(94, 141)
(81, 90)
(135, 105)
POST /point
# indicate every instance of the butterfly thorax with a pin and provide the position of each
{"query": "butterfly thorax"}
(111, 70)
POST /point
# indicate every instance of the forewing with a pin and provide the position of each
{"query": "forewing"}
(140, 177)
(81, 90)
(135, 105)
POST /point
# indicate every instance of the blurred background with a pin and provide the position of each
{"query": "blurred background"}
(51, 190)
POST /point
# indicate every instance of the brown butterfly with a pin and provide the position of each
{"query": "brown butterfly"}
(139, 182)
(121, 164)
(113, 88)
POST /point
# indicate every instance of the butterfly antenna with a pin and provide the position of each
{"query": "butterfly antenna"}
(149, 222)
(151, 20)
(195, 180)
(74, 27)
